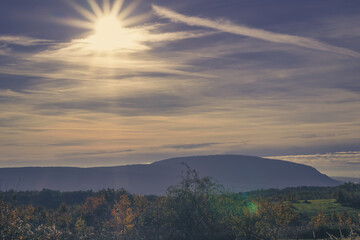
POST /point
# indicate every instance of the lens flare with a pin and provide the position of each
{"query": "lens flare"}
(252, 207)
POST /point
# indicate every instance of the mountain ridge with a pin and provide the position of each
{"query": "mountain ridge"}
(236, 173)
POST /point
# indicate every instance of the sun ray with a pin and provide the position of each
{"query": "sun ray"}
(135, 20)
(128, 9)
(87, 14)
(106, 7)
(111, 26)
(95, 7)
(77, 23)
(115, 9)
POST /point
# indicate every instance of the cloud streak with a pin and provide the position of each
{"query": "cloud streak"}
(227, 26)
(348, 162)
(23, 40)
(190, 146)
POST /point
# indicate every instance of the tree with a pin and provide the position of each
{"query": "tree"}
(193, 214)
(248, 225)
(94, 211)
(123, 216)
(276, 215)
(81, 230)
(187, 212)
(319, 221)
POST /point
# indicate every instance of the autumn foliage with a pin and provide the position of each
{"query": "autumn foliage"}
(195, 209)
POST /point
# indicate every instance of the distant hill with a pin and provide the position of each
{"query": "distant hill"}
(347, 179)
(236, 172)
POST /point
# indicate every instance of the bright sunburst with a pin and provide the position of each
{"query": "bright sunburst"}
(110, 26)
(108, 33)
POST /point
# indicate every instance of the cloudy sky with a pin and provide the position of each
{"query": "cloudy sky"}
(176, 78)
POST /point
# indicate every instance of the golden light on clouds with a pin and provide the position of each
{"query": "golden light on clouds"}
(128, 81)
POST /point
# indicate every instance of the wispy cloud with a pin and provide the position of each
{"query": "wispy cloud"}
(227, 26)
(326, 158)
(174, 36)
(338, 27)
(23, 40)
(345, 162)
(96, 153)
(190, 146)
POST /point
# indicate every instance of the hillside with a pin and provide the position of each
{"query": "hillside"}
(236, 172)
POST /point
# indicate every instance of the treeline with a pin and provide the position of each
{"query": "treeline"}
(196, 208)
(347, 193)
(46, 198)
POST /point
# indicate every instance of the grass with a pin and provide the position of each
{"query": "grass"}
(328, 206)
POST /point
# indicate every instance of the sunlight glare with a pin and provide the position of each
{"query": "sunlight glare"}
(110, 35)
(110, 28)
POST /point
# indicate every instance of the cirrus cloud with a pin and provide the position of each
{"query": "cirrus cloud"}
(229, 27)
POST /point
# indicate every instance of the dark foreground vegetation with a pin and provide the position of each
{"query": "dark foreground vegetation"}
(196, 209)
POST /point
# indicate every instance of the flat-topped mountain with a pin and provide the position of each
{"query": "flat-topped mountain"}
(235, 172)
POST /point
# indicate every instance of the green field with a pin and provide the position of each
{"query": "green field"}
(327, 206)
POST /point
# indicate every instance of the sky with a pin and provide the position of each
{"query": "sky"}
(277, 79)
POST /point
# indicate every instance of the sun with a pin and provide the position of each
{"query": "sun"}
(109, 35)
(107, 26)
(110, 26)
